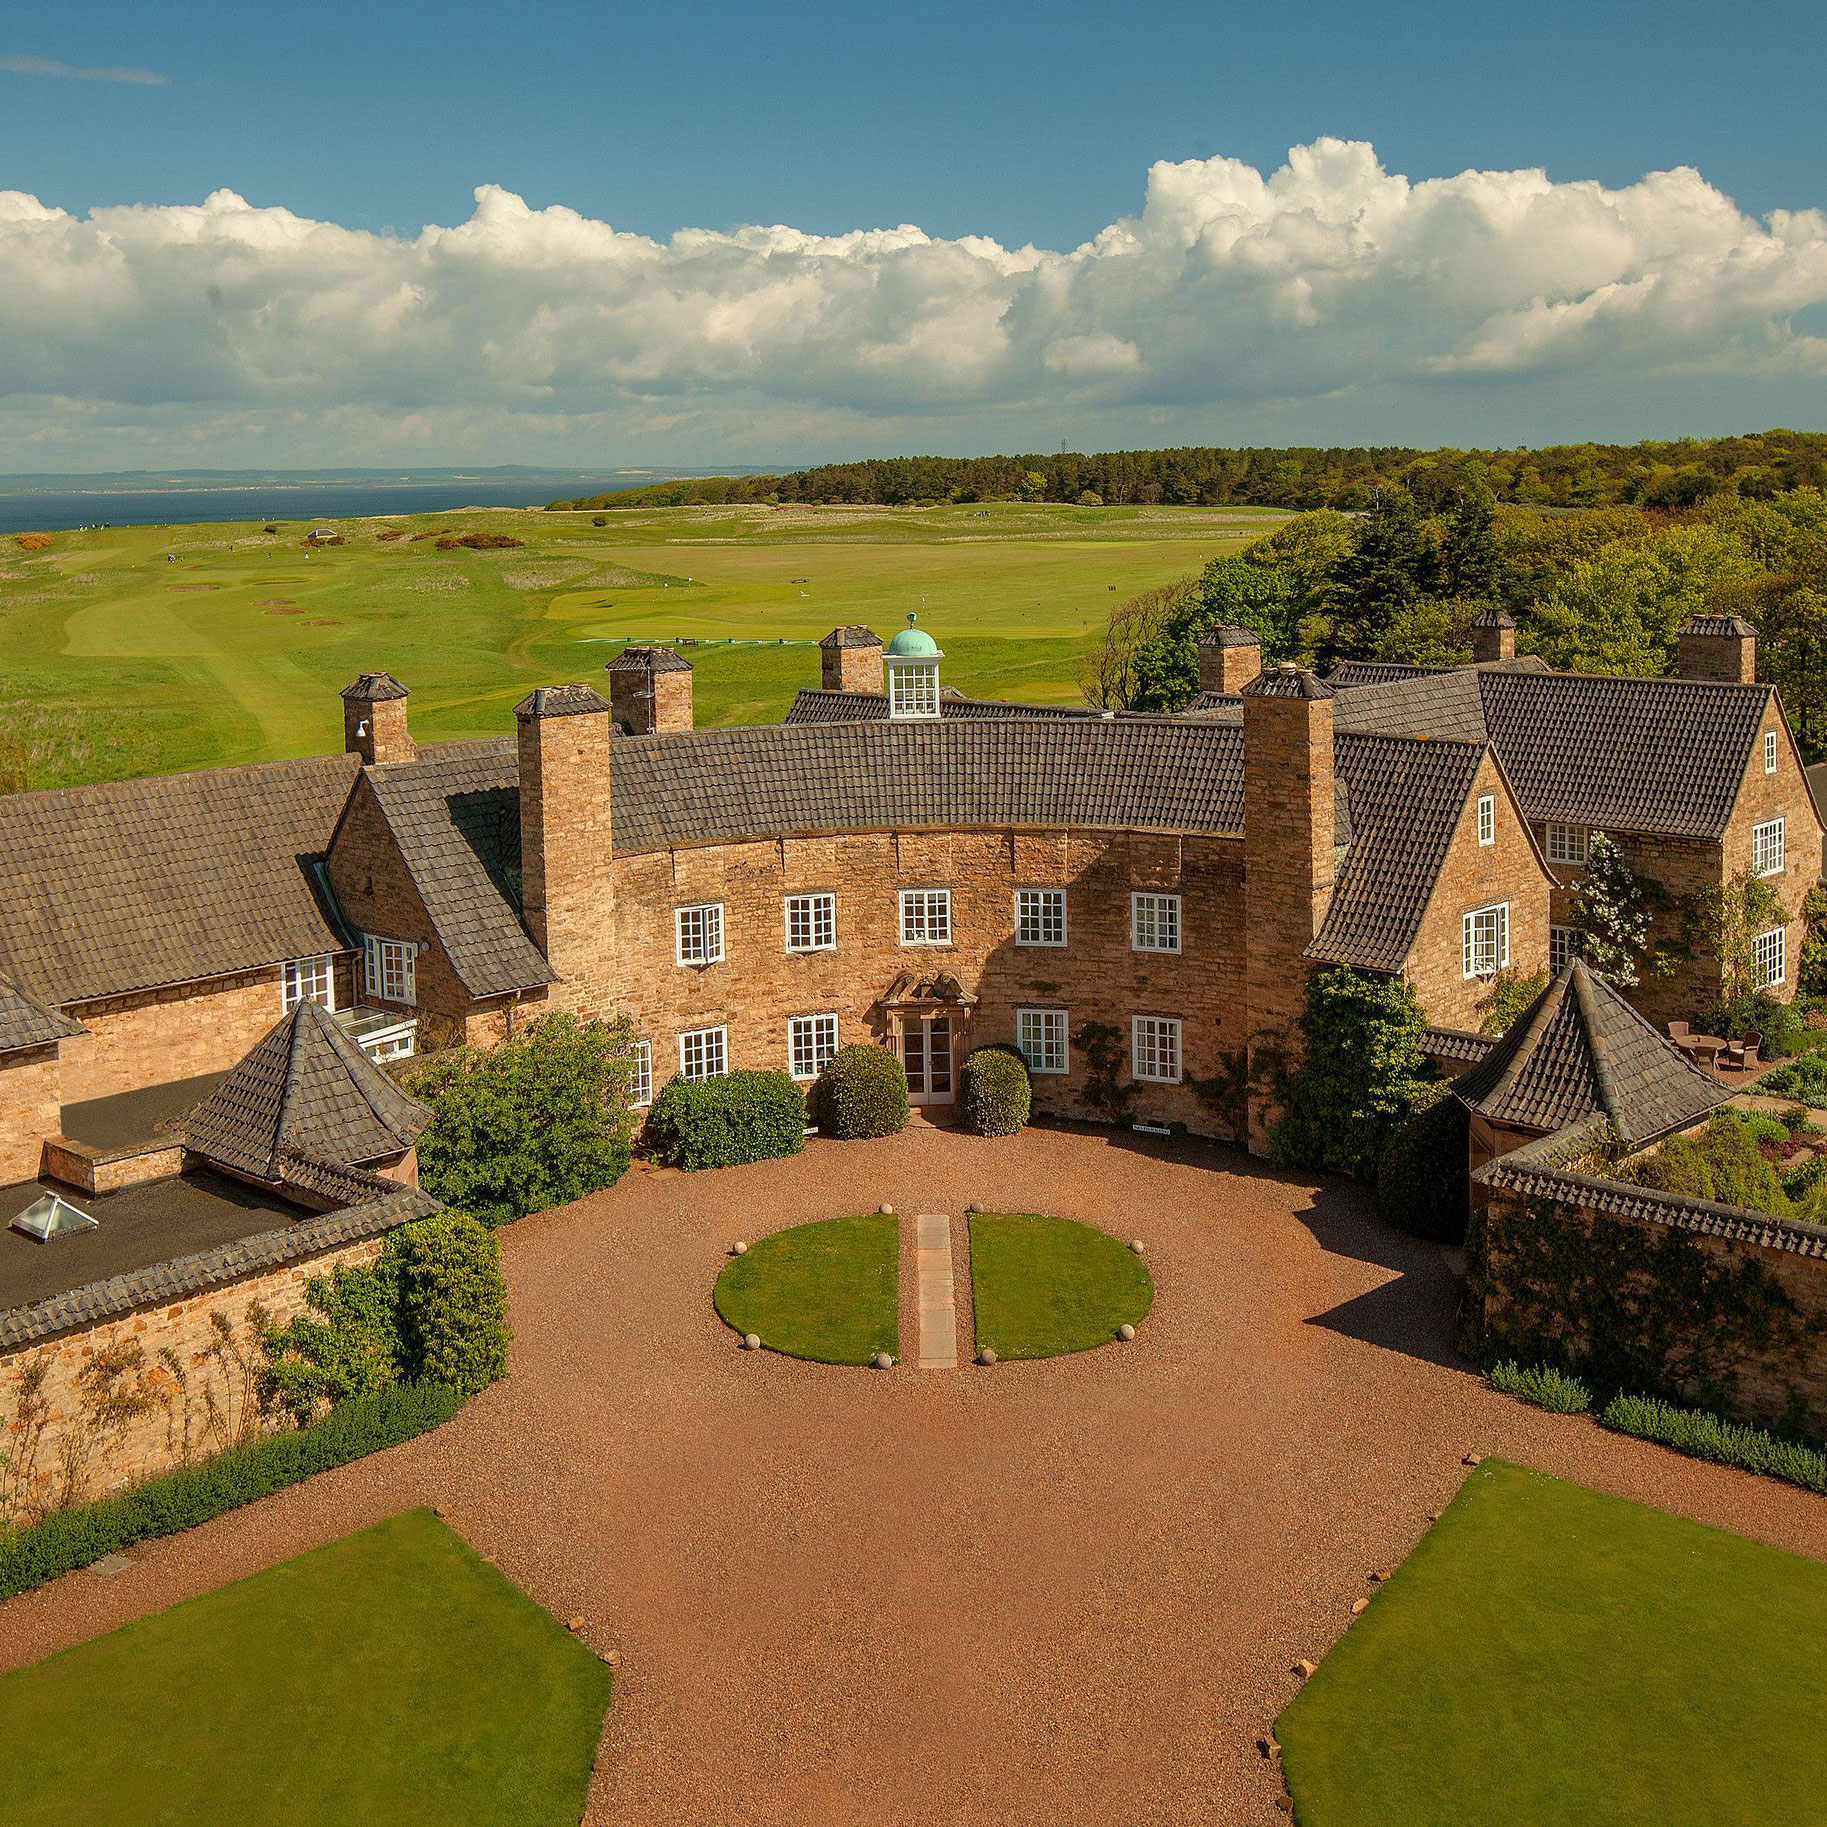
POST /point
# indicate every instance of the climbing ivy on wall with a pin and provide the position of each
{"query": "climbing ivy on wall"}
(1638, 1308)
(1105, 1089)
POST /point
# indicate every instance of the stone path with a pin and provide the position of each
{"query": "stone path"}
(938, 1307)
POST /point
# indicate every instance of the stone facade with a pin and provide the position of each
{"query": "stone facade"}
(29, 1102)
(850, 659)
(183, 1391)
(650, 691)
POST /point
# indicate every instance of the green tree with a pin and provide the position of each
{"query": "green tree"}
(1391, 565)
(1471, 562)
(538, 1121)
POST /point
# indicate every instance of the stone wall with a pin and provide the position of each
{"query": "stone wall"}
(179, 1389)
(30, 1096)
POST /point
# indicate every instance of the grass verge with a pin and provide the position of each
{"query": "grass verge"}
(1042, 1286)
(388, 1678)
(829, 1291)
(1551, 1655)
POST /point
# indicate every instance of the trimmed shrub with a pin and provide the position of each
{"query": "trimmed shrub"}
(1423, 1179)
(1703, 1436)
(1543, 1385)
(1803, 1078)
(861, 1093)
(722, 1122)
(194, 1493)
(995, 1093)
(452, 1301)
(1757, 1012)
(345, 1344)
(539, 1121)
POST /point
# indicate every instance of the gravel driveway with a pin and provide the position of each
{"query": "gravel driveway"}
(1047, 1593)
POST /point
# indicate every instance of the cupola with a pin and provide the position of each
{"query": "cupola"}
(912, 667)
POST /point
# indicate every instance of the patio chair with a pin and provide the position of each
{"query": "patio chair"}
(1682, 1035)
(1741, 1055)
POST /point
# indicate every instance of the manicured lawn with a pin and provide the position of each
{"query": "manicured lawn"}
(1041, 1286)
(830, 1291)
(119, 662)
(1553, 1657)
(390, 1678)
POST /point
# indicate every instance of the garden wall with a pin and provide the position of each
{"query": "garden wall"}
(1710, 1305)
(99, 1405)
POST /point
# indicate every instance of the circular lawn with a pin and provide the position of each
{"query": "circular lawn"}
(829, 1291)
(1042, 1286)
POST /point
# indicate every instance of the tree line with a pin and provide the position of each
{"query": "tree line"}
(1673, 474)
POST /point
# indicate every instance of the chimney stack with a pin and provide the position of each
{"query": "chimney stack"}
(565, 839)
(1722, 647)
(374, 720)
(850, 659)
(650, 691)
(1289, 860)
(1229, 658)
(1493, 636)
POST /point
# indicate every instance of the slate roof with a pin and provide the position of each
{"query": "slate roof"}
(1229, 634)
(814, 706)
(375, 688)
(1287, 681)
(1734, 626)
(1352, 673)
(561, 701)
(455, 814)
(1405, 799)
(26, 1023)
(649, 659)
(1456, 1045)
(1583, 1051)
(142, 883)
(304, 1090)
(1445, 706)
(852, 634)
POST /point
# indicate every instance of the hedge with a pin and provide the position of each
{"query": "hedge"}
(1542, 1385)
(68, 1539)
(1704, 1436)
(994, 1091)
(1423, 1184)
(724, 1121)
(861, 1093)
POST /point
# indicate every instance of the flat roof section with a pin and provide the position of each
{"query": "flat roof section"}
(131, 1118)
(135, 1228)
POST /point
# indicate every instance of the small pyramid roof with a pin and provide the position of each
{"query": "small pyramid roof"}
(306, 1089)
(1581, 1051)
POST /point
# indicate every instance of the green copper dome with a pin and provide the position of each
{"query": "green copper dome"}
(913, 644)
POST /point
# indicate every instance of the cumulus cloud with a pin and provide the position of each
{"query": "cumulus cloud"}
(21, 65)
(1234, 301)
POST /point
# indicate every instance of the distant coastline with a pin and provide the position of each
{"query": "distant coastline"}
(58, 503)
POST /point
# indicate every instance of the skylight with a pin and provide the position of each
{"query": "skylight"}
(52, 1216)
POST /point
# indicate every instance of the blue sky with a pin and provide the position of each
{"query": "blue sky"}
(1020, 127)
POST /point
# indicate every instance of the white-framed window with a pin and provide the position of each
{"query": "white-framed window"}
(1154, 1049)
(1566, 843)
(1487, 940)
(1154, 922)
(388, 968)
(1767, 853)
(913, 691)
(1769, 751)
(1040, 1038)
(811, 922)
(704, 1053)
(1770, 958)
(1487, 818)
(396, 1044)
(698, 933)
(640, 1076)
(926, 916)
(1563, 945)
(1040, 916)
(308, 980)
(811, 1044)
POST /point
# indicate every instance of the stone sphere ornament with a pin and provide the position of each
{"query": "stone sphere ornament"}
(986, 1356)
(1126, 1332)
(751, 1341)
(885, 1211)
(883, 1361)
(1136, 1245)
(739, 1248)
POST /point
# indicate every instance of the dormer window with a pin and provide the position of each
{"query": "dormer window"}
(911, 664)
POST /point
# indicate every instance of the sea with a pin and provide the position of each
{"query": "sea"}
(51, 504)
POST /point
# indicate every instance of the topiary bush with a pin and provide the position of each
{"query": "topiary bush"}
(538, 1121)
(1423, 1177)
(995, 1093)
(861, 1093)
(722, 1122)
(452, 1301)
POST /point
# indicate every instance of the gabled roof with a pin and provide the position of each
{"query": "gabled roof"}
(1444, 706)
(142, 883)
(814, 706)
(1405, 799)
(306, 1091)
(1582, 1051)
(455, 814)
(25, 1022)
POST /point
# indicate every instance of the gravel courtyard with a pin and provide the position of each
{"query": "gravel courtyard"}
(1055, 1592)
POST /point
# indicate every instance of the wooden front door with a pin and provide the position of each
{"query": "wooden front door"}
(926, 1052)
